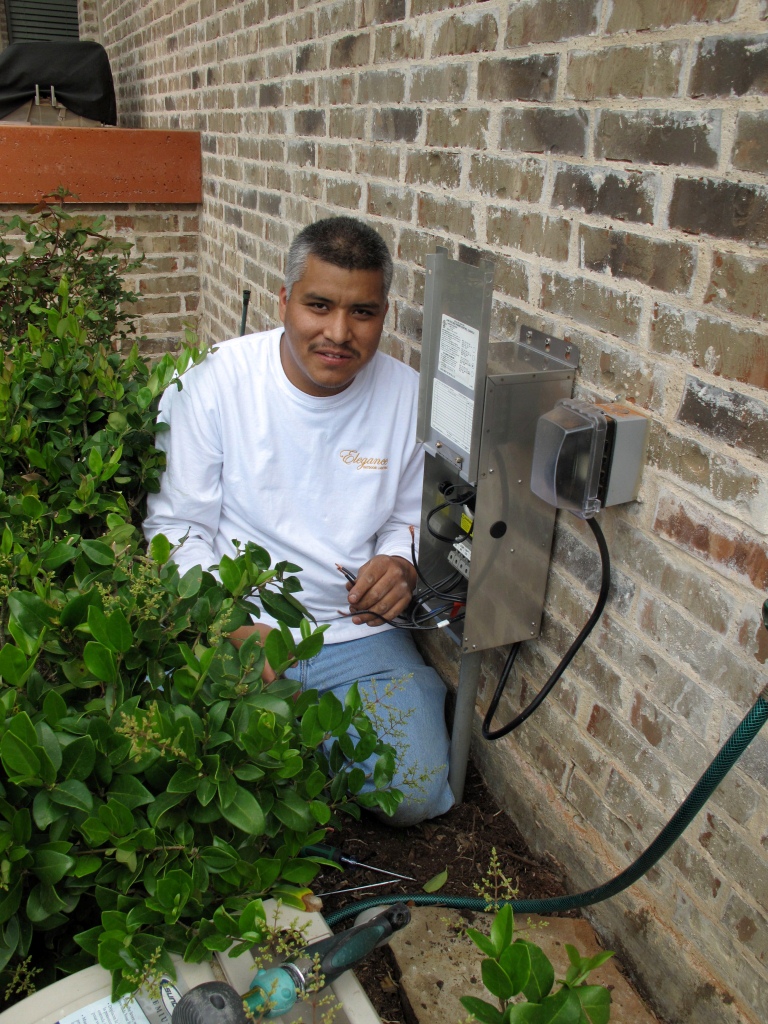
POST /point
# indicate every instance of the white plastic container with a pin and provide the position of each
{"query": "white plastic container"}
(83, 998)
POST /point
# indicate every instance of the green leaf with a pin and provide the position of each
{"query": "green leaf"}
(282, 609)
(112, 632)
(253, 918)
(310, 646)
(160, 549)
(97, 551)
(129, 791)
(522, 1013)
(44, 811)
(384, 769)
(116, 817)
(43, 902)
(436, 882)
(76, 611)
(542, 976)
(57, 555)
(51, 864)
(595, 1003)
(294, 812)
(100, 661)
(86, 865)
(486, 1013)
(54, 707)
(276, 649)
(30, 612)
(13, 665)
(161, 806)
(219, 858)
(190, 582)
(561, 1008)
(231, 574)
(496, 980)
(515, 961)
(502, 927)
(89, 940)
(74, 794)
(78, 758)
(18, 758)
(245, 813)
(10, 901)
(330, 712)
(95, 461)
(184, 780)
(32, 506)
(482, 942)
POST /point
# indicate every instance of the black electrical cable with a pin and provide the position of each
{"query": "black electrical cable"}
(452, 498)
(399, 624)
(516, 722)
(462, 535)
(430, 589)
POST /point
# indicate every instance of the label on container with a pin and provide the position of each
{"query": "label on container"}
(458, 351)
(452, 414)
(139, 1009)
(104, 1011)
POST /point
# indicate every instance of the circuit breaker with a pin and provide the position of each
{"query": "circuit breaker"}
(479, 406)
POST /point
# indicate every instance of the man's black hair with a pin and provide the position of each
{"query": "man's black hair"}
(343, 242)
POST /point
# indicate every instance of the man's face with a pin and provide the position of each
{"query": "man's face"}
(333, 322)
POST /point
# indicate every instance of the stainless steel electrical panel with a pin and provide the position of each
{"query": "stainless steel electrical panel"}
(479, 405)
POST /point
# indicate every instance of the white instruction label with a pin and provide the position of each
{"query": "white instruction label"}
(104, 1011)
(458, 351)
(141, 1009)
(452, 414)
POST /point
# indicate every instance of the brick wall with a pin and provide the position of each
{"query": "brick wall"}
(611, 158)
(168, 282)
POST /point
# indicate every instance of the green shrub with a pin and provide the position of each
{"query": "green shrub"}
(151, 789)
(519, 974)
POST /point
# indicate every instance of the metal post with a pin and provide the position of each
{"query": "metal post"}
(461, 737)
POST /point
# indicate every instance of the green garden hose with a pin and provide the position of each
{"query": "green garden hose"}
(724, 760)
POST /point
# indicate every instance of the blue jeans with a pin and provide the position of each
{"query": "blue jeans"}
(409, 713)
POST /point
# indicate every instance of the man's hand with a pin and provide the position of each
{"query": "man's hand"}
(238, 635)
(384, 586)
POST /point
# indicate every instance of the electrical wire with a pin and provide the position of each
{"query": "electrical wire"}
(605, 585)
(452, 499)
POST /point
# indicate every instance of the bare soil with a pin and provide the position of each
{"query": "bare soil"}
(462, 842)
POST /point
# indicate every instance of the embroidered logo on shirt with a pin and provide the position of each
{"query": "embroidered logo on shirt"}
(354, 458)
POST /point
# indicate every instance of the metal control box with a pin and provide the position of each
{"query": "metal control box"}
(478, 410)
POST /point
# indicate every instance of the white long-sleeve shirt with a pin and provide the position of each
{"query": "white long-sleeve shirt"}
(315, 481)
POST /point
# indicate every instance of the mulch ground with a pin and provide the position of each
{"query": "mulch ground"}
(461, 841)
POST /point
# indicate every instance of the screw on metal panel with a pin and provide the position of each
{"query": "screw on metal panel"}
(490, 470)
(511, 551)
(438, 444)
(459, 461)
(519, 481)
(474, 647)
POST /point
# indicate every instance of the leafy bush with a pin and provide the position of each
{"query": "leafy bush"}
(151, 789)
(519, 970)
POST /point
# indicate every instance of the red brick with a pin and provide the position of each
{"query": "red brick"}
(713, 540)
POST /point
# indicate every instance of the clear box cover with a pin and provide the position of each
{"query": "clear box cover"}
(567, 456)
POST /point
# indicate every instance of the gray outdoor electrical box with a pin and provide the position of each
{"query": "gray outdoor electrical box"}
(479, 405)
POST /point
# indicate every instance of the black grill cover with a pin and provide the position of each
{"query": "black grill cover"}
(78, 71)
